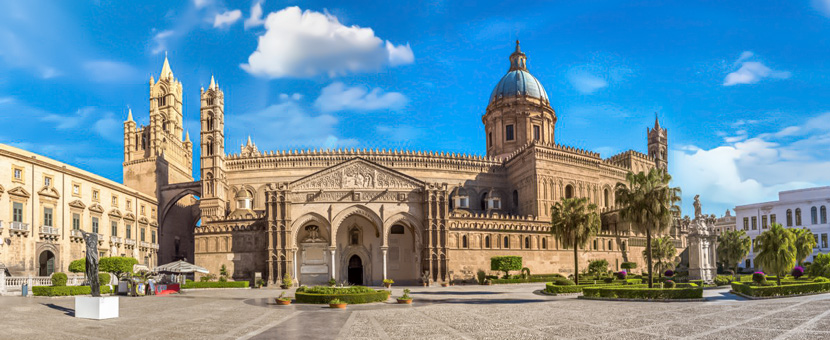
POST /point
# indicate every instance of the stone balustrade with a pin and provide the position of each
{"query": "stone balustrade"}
(144, 244)
(20, 226)
(49, 230)
(15, 283)
(154, 246)
(115, 239)
(129, 242)
(76, 233)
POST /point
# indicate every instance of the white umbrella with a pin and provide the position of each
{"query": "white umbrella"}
(180, 267)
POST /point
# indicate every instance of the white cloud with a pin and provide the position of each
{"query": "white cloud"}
(822, 6)
(107, 71)
(751, 170)
(293, 122)
(751, 72)
(160, 40)
(201, 3)
(256, 15)
(303, 44)
(227, 18)
(104, 124)
(586, 82)
(339, 97)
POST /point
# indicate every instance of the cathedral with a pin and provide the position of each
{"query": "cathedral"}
(361, 216)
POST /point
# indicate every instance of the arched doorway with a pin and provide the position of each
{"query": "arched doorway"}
(47, 263)
(356, 270)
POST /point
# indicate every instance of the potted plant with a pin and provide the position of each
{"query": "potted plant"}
(425, 279)
(283, 300)
(405, 298)
(337, 303)
(487, 282)
(445, 284)
(388, 283)
(260, 283)
(287, 281)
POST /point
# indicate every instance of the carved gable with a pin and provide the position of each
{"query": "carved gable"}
(115, 213)
(129, 216)
(357, 173)
(19, 191)
(96, 208)
(49, 192)
(77, 204)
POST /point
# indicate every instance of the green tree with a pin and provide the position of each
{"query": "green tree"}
(663, 253)
(820, 266)
(574, 222)
(805, 241)
(598, 267)
(733, 247)
(117, 265)
(78, 266)
(777, 255)
(650, 205)
(506, 264)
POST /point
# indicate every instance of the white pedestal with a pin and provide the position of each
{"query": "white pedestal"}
(98, 308)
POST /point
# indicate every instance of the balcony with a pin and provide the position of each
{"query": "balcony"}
(76, 234)
(129, 242)
(49, 230)
(19, 226)
(154, 246)
(144, 244)
(115, 239)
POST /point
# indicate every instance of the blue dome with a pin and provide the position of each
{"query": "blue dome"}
(519, 83)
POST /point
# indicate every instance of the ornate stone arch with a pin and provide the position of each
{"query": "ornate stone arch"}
(407, 220)
(308, 218)
(354, 210)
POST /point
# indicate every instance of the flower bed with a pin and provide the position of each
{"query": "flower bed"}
(640, 292)
(786, 289)
(217, 284)
(66, 290)
(350, 295)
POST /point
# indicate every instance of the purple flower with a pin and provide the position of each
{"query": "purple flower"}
(798, 271)
(759, 273)
(669, 273)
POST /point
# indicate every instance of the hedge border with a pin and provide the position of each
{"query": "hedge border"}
(690, 292)
(216, 284)
(66, 290)
(512, 281)
(794, 290)
(376, 296)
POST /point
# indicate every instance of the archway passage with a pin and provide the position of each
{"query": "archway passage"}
(47, 263)
(356, 270)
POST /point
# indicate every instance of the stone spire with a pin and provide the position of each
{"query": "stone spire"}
(187, 137)
(165, 69)
(656, 122)
(129, 115)
(518, 60)
(212, 85)
(249, 141)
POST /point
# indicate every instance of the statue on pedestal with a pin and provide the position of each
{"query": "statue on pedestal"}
(702, 245)
(91, 241)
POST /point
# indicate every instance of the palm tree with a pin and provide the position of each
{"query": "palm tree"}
(574, 222)
(733, 247)
(778, 251)
(805, 241)
(649, 204)
(663, 252)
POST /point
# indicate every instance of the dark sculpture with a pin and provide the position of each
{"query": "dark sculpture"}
(91, 240)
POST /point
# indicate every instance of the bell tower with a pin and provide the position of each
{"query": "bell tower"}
(658, 144)
(212, 140)
(155, 154)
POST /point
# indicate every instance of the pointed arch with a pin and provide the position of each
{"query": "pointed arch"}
(360, 210)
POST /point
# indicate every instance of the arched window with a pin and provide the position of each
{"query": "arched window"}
(484, 201)
(814, 215)
(397, 229)
(610, 245)
(164, 125)
(354, 236)
(789, 217)
(595, 245)
(209, 147)
(544, 243)
(823, 214)
(527, 242)
(487, 242)
(622, 246)
(607, 197)
(210, 121)
(515, 198)
(143, 141)
(569, 191)
(797, 216)
(464, 241)
(506, 243)
(209, 183)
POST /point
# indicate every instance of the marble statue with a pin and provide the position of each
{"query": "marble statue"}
(697, 206)
(702, 245)
(91, 240)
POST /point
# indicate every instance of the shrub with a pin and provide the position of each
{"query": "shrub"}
(597, 267)
(759, 277)
(78, 266)
(103, 279)
(525, 272)
(562, 289)
(220, 284)
(628, 266)
(798, 271)
(722, 280)
(782, 290)
(287, 281)
(388, 281)
(506, 263)
(117, 265)
(821, 279)
(608, 280)
(669, 273)
(622, 274)
(520, 280)
(59, 279)
(337, 302)
(223, 279)
(207, 278)
(65, 290)
(561, 281)
(351, 295)
(633, 281)
(668, 284)
(481, 276)
(332, 282)
(641, 292)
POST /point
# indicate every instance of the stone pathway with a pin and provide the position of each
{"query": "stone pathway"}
(461, 312)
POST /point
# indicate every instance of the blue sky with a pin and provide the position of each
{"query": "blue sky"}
(740, 86)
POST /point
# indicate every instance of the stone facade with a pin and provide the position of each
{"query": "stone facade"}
(365, 215)
(45, 203)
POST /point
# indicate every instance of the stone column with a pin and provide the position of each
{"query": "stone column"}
(333, 266)
(2, 280)
(384, 249)
(296, 273)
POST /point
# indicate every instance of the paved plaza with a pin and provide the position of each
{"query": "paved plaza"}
(461, 312)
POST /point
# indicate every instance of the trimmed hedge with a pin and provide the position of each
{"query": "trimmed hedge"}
(227, 284)
(59, 279)
(66, 290)
(357, 298)
(553, 288)
(636, 292)
(792, 289)
(530, 280)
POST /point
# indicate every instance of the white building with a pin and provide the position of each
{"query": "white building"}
(804, 208)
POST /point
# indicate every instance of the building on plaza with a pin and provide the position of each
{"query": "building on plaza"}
(365, 215)
(44, 204)
(802, 208)
(724, 223)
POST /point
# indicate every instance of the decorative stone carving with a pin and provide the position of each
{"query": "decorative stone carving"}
(357, 174)
(702, 245)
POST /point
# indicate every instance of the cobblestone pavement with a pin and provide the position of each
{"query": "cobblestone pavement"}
(461, 312)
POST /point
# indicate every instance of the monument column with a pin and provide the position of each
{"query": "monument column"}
(384, 249)
(333, 266)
